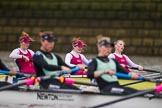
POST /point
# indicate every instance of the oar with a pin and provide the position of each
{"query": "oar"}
(151, 80)
(30, 81)
(73, 70)
(157, 89)
(127, 76)
(149, 70)
(17, 73)
(118, 74)
(29, 75)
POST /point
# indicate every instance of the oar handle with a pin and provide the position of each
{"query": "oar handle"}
(127, 76)
(72, 70)
(4, 72)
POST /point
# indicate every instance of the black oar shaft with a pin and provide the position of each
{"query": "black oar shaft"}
(148, 70)
(6, 72)
(151, 70)
(25, 74)
(11, 86)
(125, 98)
(144, 79)
(131, 83)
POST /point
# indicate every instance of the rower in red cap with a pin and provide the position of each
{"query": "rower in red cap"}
(75, 58)
(23, 55)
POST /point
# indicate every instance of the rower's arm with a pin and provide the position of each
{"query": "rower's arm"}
(68, 58)
(91, 68)
(15, 54)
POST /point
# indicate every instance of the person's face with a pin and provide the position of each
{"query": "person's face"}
(24, 45)
(47, 46)
(77, 49)
(119, 46)
(105, 50)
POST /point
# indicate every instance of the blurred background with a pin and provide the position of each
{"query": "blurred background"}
(137, 22)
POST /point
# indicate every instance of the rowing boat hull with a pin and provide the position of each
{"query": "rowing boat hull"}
(72, 99)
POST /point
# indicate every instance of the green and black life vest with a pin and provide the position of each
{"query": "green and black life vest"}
(52, 61)
(101, 66)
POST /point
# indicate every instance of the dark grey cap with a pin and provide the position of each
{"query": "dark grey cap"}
(105, 42)
(48, 38)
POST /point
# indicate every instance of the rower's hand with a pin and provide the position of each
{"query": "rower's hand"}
(25, 58)
(66, 69)
(140, 68)
(97, 74)
(81, 66)
(12, 72)
(123, 65)
(134, 75)
(110, 72)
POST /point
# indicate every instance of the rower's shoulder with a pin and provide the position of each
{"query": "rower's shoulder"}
(38, 53)
(92, 60)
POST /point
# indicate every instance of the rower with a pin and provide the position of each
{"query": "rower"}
(46, 62)
(103, 69)
(75, 58)
(23, 55)
(123, 59)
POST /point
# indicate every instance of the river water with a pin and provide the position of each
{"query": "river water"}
(154, 63)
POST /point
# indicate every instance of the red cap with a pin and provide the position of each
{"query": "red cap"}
(79, 43)
(25, 39)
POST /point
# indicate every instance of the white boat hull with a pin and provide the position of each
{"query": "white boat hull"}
(75, 100)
